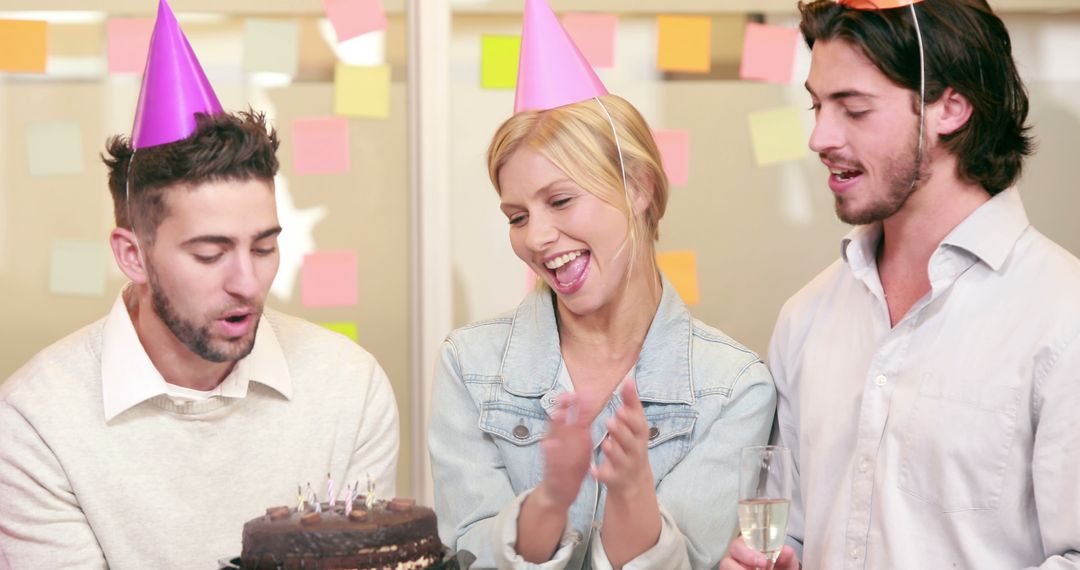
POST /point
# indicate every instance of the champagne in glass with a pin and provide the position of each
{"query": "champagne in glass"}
(765, 498)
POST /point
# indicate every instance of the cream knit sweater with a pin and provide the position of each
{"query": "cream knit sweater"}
(167, 486)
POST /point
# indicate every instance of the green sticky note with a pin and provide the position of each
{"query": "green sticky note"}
(777, 135)
(347, 328)
(271, 46)
(78, 267)
(499, 61)
(362, 90)
(54, 148)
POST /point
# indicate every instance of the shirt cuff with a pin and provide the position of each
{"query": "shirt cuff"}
(506, 555)
(669, 549)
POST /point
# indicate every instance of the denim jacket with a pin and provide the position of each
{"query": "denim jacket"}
(705, 397)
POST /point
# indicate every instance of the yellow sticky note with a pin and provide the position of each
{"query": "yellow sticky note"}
(499, 61)
(684, 43)
(680, 267)
(347, 328)
(362, 90)
(777, 135)
(23, 44)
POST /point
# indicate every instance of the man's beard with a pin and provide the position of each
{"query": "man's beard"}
(197, 339)
(903, 176)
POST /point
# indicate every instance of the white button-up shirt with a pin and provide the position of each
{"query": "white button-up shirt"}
(950, 440)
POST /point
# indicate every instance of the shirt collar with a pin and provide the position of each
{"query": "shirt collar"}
(532, 358)
(992, 229)
(128, 377)
(989, 233)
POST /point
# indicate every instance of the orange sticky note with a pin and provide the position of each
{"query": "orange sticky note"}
(352, 18)
(674, 147)
(499, 61)
(684, 43)
(680, 267)
(320, 145)
(777, 135)
(594, 35)
(328, 279)
(347, 328)
(769, 53)
(23, 45)
(129, 42)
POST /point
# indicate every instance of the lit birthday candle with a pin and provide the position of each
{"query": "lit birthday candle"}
(330, 491)
(369, 500)
(299, 499)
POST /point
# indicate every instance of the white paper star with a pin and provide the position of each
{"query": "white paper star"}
(297, 239)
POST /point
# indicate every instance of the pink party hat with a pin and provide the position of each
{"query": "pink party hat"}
(174, 87)
(552, 72)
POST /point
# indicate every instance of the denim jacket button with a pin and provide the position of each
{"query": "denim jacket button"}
(654, 432)
(521, 432)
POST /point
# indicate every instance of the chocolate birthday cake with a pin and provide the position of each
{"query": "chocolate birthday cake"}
(395, 534)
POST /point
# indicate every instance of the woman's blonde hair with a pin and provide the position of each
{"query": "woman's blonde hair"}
(579, 141)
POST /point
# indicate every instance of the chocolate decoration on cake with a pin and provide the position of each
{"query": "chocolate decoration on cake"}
(381, 537)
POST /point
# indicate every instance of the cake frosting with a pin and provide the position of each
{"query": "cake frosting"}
(395, 534)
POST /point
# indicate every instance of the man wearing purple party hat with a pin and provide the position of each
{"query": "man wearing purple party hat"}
(148, 438)
(599, 425)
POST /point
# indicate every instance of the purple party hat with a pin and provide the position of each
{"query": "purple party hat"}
(174, 87)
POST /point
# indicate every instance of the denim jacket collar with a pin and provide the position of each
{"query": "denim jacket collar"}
(531, 362)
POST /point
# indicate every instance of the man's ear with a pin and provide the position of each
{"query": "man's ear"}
(128, 254)
(954, 111)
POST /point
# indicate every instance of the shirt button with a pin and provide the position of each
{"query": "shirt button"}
(576, 536)
(854, 553)
(864, 465)
(521, 432)
(881, 380)
(654, 432)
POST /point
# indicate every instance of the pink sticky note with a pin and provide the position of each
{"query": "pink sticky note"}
(352, 18)
(328, 279)
(129, 42)
(320, 145)
(594, 35)
(674, 147)
(769, 53)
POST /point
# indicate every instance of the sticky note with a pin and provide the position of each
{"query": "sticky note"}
(680, 267)
(320, 145)
(499, 61)
(54, 148)
(684, 43)
(594, 35)
(272, 46)
(769, 53)
(23, 45)
(777, 135)
(347, 328)
(128, 44)
(328, 279)
(352, 18)
(674, 147)
(362, 90)
(78, 267)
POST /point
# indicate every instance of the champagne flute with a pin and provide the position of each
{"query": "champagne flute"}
(765, 498)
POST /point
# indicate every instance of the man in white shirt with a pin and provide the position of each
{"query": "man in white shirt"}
(148, 438)
(927, 380)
